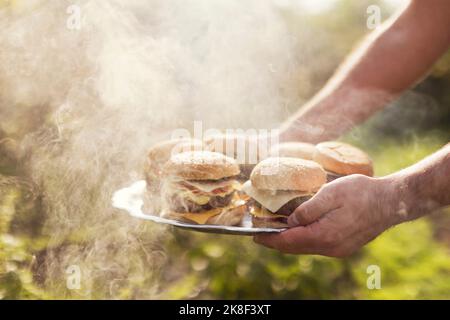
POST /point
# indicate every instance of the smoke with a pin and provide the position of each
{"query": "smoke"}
(92, 100)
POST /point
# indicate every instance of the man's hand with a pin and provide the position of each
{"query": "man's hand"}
(342, 217)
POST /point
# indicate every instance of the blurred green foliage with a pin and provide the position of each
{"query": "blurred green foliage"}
(413, 262)
(16, 281)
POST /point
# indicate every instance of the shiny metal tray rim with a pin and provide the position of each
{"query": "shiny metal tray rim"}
(130, 199)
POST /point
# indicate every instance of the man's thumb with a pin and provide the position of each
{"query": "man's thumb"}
(312, 210)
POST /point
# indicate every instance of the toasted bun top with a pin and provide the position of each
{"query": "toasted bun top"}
(201, 165)
(288, 174)
(300, 150)
(343, 158)
(161, 152)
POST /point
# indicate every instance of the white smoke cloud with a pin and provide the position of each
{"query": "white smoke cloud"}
(96, 98)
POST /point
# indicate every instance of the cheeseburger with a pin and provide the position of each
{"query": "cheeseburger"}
(156, 158)
(278, 186)
(200, 187)
(340, 159)
(161, 152)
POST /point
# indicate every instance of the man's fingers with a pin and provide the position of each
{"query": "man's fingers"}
(324, 201)
(305, 240)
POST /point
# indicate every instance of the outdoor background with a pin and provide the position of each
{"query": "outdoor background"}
(59, 165)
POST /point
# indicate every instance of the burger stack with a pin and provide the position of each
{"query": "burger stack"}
(196, 182)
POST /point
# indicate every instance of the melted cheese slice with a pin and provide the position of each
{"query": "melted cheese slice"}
(201, 218)
(272, 200)
(198, 199)
(210, 186)
(264, 213)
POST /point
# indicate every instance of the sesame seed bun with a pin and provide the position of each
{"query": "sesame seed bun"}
(158, 155)
(288, 174)
(268, 223)
(343, 159)
(161, 152)
(201, 165)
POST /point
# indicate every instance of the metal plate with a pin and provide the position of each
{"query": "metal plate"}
(131, 200)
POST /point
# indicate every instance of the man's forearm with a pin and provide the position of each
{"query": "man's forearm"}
(389, 61)
(421, 188)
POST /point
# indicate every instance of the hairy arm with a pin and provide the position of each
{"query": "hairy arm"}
(422, 187)
(390, 60)
(351, 211)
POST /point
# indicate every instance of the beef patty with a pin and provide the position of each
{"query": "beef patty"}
(179, 204)
(290, 206)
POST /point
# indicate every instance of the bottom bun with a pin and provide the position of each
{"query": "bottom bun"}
(268, 223)
(232, 217)
(227, 217)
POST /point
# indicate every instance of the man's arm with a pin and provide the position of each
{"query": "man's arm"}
(389, 61)
(351, 211)
(424, 186)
